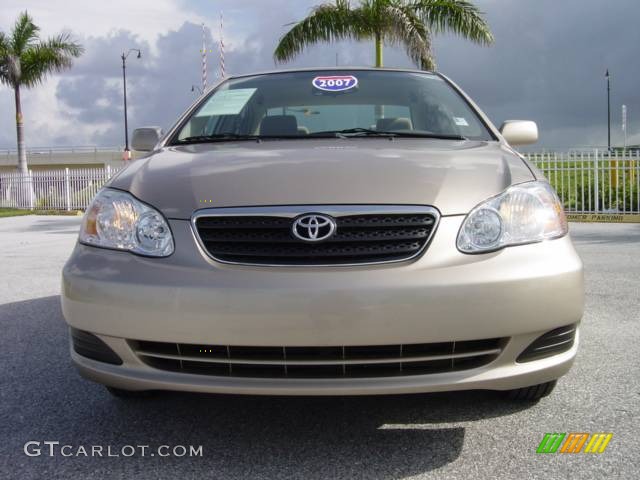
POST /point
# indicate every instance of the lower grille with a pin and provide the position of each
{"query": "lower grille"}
(90, 346)
(362, 235)
(319, 362)
(551, 343)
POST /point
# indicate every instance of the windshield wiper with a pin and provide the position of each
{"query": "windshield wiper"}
(347, 132)
(230, 137)
(216, 137)
(368, 132)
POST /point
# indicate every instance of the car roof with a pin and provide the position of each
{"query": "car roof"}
(338, 68)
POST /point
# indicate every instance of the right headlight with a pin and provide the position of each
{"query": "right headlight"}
(524, 213)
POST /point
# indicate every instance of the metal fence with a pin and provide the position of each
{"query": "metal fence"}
(65, 189)
(588, 182)
(593, 181)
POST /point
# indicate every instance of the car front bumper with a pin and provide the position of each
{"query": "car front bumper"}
(517, 293)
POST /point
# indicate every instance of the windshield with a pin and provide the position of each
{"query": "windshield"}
(314, 104)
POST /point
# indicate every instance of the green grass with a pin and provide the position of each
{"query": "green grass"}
(14, 212)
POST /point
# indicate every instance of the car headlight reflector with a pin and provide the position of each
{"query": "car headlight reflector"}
(117, 220)
(524, 213)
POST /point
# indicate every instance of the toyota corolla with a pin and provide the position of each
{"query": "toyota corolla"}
(327, 232)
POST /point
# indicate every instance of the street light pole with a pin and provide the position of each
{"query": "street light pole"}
(608, 110)
(624, 124)
(127, 152)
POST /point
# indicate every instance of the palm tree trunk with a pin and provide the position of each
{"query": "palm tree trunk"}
(379, 109)
(22, 154)
(378, 50)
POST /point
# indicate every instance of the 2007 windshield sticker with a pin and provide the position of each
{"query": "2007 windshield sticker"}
(335, 83)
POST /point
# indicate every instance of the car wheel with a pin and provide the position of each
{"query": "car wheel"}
(532, 393)
(127, 394)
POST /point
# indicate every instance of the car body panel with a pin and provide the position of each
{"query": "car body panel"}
(178, 180)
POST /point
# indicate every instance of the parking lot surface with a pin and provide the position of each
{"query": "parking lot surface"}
(466, 435)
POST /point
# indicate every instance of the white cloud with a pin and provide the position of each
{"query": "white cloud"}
(147, 18)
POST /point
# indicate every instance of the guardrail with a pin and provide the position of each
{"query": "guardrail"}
(593, 185)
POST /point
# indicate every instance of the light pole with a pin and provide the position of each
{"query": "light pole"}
(608, 110)
(127, 152)
(624, 124)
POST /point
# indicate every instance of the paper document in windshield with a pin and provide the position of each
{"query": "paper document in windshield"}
(227, 102)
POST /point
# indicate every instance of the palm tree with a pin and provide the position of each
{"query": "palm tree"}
(410, 23)
(25, 61)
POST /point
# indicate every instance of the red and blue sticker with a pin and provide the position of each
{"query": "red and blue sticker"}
(335, 83)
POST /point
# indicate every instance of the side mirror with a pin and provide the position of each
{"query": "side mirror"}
(145, 139)
(519, 132)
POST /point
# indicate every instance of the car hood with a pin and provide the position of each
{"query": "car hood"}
(453, 176)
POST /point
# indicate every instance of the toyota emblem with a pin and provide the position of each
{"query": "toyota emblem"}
(313, 227)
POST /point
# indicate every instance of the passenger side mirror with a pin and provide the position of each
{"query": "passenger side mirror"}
(145, 139)
(519, 132)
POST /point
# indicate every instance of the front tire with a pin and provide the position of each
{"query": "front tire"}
(129, 394)
(532, 393)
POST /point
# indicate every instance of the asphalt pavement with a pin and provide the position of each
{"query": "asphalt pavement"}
(466, 435)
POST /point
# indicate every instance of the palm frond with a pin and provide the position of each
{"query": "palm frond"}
(24, 34)
(4, 44)
(9, 63)
(404, 27)
(10, 70)
(457, 16)
(53, 55)
(4, 58)
(326, 23)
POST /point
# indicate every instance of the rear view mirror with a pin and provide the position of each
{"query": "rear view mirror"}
(519, 132)
(145, 139)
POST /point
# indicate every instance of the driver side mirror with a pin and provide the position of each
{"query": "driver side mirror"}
(519, 132)
(145, 139)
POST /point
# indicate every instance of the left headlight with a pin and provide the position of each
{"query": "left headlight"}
(117, 220)
(524, 213)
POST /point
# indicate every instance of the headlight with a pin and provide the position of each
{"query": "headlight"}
(525, 213)
(117, 220)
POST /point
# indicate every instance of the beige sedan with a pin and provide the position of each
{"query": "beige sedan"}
(327, 232)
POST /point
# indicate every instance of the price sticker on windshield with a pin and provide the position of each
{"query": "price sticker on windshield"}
(335, 83)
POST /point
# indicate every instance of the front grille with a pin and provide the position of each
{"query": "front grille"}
(319, 362)
(264, 236)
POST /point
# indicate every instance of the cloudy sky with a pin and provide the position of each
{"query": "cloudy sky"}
(547, 65)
